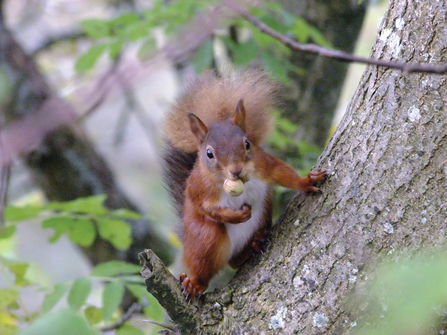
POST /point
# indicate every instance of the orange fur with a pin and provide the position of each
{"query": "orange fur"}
(224, 120)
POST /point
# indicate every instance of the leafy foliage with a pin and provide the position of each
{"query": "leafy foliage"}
(82, 220)
(86, 304)
(281, 139)
(255, 47)
(406, 296)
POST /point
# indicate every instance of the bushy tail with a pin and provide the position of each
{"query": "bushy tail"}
(214, 99)
(177, 167)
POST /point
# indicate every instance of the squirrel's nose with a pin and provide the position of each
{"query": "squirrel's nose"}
(236, 171)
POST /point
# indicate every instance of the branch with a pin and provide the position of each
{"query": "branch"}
(5, 173)
(1, 13)
(50, 41)
(330, 53)
(166, 289)
(135, 308)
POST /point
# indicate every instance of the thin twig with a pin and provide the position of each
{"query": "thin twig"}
(330, 53)
(135, 308)
(50, 41)
(135, 108)
(1, 12)
(5, 173)
(102, 88)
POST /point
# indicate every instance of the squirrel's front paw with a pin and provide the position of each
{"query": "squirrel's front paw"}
(314, 177)
(189, 289)
(246, 213)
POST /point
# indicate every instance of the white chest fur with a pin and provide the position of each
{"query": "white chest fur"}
(254, 194)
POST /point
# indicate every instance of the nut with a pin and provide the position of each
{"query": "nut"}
(233, 187)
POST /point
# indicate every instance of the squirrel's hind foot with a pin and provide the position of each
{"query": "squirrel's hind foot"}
(189, 289)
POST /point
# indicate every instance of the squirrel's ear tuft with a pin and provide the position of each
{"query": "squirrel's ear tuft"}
(198, 128)
(239, 115)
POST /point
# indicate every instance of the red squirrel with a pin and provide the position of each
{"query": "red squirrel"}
(214, 133)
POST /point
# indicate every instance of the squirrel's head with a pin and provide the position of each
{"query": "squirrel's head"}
(224, 148)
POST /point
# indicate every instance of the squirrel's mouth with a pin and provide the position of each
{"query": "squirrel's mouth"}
(245, 178)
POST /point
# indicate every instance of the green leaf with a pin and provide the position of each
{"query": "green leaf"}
(113, 268)
(139, 291)
(245, 53)
(88, 60)
(203, 58)
(128, 329)
(126, 214)
(263, 40)
(147, 49)
(412, 290)
(122, 23)
(93, 315)
(13, 213)
(81, 231)
(54, 297)
(136, 32)
(116, 232)
(303, 31)
(65, 322)
(275, 67)
(7, 297)
(7, 231)
(284, 124)
(19, 270)
(153, 309)
(60, 226)
(87, 205)
(125, 20)
(79, 292)
(278, 140)
(95, 28)
(111, 298)
(36, 275)
(8, 329)
(115, 49)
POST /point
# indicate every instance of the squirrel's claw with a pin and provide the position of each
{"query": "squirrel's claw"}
(259, 241)
(318, 175)
(189, 290)
(314, 177)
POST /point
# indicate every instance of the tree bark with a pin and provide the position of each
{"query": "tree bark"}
(312, 105)
(387, 192)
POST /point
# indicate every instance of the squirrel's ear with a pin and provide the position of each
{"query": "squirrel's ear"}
(239, 116)
(198, 128)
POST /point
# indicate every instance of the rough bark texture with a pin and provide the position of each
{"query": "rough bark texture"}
(387, 192)
(313, 104)
(62, 161)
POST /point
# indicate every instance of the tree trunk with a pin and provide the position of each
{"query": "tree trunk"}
(312, 105)
(387, 192)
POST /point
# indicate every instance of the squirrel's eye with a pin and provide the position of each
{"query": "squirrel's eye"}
(247, 145)
(209, 153)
